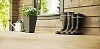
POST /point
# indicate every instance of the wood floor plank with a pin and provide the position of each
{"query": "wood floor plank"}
(21, 40)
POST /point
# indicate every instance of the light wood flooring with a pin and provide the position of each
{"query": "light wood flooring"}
(21, 40)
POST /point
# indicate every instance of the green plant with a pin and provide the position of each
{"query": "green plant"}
(28, 11)
(4, 13)
(44, 6)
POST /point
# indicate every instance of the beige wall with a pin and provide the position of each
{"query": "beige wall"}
(91, 10)
(25, 2)
(48, 26)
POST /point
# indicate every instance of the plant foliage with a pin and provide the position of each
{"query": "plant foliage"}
(28, 11)
(44, 6)
(4, 13)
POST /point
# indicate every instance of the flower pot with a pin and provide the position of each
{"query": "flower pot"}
(30, 23)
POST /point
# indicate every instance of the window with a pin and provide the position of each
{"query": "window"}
(47, 7)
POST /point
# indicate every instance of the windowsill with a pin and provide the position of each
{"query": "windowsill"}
(49, 15)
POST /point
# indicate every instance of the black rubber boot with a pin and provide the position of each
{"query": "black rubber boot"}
(73, 24)
(78, 24)
(69, 15)
(64, 23)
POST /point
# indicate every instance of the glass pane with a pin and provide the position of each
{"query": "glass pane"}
(46, 7)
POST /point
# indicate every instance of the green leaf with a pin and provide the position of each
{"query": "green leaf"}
(28, 11)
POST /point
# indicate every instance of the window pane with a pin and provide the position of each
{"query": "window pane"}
(46, 7)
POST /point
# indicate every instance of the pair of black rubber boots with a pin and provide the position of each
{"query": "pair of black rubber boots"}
(71, 23)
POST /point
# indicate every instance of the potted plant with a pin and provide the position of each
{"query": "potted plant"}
(30, 18)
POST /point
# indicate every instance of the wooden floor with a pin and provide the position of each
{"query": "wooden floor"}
(21, 40)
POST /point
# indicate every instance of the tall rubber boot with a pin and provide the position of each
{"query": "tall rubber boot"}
(78, 24)
(73, 24)
(64, 23)
(69, 15)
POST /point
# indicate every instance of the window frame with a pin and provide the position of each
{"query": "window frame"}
(35, 5)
